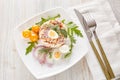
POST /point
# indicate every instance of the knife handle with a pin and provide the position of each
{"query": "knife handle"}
(100, 61)
(104, 56)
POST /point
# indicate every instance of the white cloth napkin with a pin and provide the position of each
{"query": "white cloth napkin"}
(108, 31)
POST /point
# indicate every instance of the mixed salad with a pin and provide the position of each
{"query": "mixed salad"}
(51, 39)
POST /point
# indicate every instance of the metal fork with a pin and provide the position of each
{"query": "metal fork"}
(92, 26)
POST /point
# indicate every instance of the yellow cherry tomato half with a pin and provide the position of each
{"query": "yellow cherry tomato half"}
(26, 33)
(33, 37)
(35, 28)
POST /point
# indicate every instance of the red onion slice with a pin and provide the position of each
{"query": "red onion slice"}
(41, 57)
(34, 51)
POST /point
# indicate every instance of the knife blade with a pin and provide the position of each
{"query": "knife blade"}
(84, 24)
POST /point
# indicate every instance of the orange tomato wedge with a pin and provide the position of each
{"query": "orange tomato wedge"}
(34, 37)
(35, 28)
(26, 33)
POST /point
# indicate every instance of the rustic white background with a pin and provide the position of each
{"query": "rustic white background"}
(13, 12)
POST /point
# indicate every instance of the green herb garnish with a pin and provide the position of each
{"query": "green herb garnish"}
(43, 20)
(30, 28)
(63, 21)
(71, 31)
(67, 55)
(50, 54)
(60, 31)
(30, 47)
(63, 32)
(56, 29)
(45, 50)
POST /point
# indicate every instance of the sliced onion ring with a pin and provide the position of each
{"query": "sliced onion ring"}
(42, 60)
(34, 51)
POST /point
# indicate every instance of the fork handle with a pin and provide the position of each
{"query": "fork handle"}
(104, 69)
(104, 57)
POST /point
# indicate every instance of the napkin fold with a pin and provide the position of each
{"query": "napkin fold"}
(108, 31)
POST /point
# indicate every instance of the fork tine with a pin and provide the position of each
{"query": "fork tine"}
(90, 21)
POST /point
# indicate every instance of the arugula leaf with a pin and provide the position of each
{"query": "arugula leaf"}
(53, 18)
(60, 31)
(63, 32)
(33, 42)
(56, 28)
(30, 47)
(72, 39)
(78, 33)
(69, 23)
(67, 55)
(63, 21)
(43, 20)
(30, 28)
(45, 50)
(71, 31)
(50, 54)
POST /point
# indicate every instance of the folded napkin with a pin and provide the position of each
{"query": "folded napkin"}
(108, 31)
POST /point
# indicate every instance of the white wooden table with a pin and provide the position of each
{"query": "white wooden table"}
(13, 12)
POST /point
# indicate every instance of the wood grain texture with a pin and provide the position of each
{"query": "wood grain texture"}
(13, 12)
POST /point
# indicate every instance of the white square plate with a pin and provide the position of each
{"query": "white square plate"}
(79, 50)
